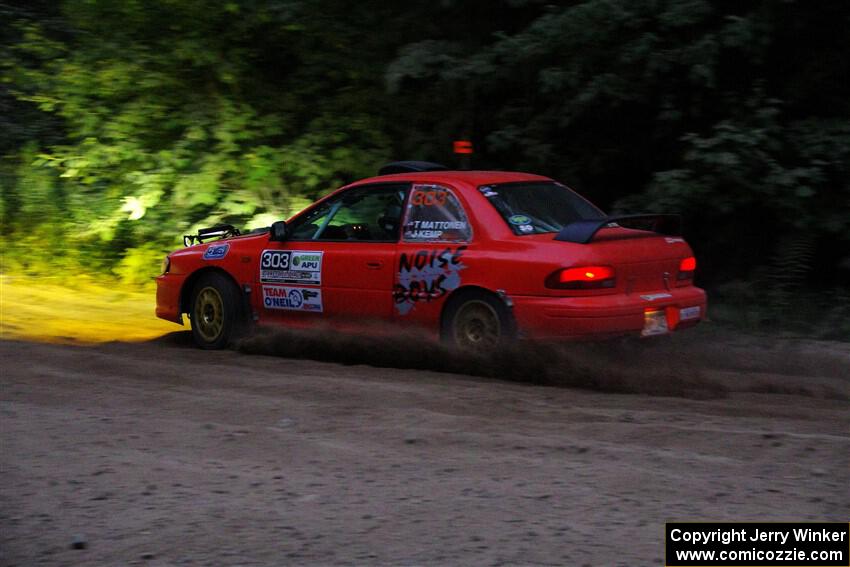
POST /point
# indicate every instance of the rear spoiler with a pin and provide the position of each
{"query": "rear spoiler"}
(582, 232)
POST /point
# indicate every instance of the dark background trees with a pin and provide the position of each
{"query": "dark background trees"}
(124, 125)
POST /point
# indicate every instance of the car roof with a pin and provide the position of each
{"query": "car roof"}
(471, 177)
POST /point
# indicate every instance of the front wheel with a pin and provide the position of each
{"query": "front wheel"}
(477, 322)
(217, 315)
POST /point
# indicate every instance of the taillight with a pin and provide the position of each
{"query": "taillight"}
(687, 267)
(584, 277)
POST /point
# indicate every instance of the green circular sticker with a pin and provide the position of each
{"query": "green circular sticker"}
(519, 219)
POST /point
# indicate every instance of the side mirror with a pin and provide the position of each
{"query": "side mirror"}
(278, 232)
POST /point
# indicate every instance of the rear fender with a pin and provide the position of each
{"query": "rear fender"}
(462, 291)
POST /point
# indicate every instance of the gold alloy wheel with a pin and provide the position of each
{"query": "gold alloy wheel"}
(477, 326)
(209, 314)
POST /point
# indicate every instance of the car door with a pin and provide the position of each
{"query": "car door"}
(435, 236)
(337, 262)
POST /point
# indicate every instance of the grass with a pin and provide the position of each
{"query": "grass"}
(810, 314)
(77, 309)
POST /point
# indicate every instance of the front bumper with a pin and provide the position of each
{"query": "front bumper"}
(604, 315)
(168, 288)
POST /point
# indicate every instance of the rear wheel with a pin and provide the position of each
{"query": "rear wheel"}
(216, 311)
(476, 322)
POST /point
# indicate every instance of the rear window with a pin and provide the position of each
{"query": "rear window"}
(435, 215)
(535, 208)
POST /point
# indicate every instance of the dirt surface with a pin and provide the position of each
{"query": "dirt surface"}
(160, 454)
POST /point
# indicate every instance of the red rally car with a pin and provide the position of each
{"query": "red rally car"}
(475, 257)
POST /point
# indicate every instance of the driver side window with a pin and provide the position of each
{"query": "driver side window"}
(371, 214)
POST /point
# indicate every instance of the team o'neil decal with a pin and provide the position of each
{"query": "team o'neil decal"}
(300, 267)
(216, 251)
(427, 275)
(292, 298)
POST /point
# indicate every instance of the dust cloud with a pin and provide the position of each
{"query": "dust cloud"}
(612, 366)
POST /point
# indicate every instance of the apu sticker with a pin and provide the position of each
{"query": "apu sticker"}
(292, 298)
(216, 251)
(519, 219)
(291, 266)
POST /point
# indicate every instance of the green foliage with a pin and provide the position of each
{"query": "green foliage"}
(806, 313)
(755, 184)
(139, 265)
(177, 115)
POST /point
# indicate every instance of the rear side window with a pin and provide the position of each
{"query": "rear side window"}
(535, 208)
(435, 215)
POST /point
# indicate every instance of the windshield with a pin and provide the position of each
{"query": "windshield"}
(534, 208)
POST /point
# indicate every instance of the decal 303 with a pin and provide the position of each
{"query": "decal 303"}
(302, 267)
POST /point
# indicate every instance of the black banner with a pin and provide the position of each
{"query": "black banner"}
(757, 544)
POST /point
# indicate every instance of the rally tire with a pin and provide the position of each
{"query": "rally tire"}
(477, 321)
(216, 311)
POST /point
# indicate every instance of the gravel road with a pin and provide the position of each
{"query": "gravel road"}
(159, 454)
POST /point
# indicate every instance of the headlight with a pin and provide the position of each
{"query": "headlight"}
(166, 265)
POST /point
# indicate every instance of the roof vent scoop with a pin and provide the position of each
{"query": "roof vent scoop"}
(410, 167)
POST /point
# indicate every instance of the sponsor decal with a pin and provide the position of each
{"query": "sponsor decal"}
(673, 240)
(427, 275)
(429, 198)
(519, 219)
(526, 228)
(216, 251)
(291, 267)
(488, 191)
(429, 230)
(292, 298)
(654, 296)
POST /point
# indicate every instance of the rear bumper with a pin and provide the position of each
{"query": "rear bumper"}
(604, 315)
(168, 297)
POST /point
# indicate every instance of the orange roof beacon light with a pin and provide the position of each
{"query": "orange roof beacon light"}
(463, 147)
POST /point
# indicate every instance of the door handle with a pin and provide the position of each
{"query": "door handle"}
(375, 264)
